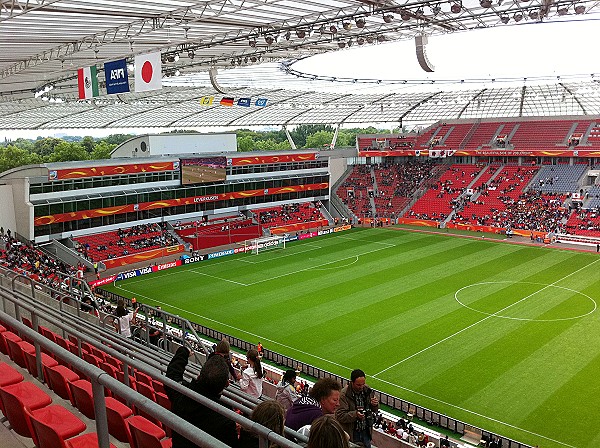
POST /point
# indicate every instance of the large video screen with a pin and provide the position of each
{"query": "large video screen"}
(201, 170)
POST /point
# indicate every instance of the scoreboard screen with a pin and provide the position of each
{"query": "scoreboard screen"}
(202, 170)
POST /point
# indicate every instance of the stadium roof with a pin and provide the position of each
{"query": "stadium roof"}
(44, 42)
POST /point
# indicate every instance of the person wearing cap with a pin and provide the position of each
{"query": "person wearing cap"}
(358, 404)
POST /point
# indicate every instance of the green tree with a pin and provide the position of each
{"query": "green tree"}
(102, 150)
(88, 144)
(319, 139)
(117, 139)
(45, 146)
(303, 131)
(246, 143)
(68, 151)
(12, 157)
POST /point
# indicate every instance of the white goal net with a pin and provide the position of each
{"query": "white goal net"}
(258, 245)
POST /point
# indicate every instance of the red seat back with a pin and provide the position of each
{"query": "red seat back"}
(82, 397)
(144, 433)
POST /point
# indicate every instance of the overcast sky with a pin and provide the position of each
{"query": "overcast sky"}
(520, 51)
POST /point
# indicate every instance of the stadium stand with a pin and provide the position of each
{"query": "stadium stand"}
(203, 234)
(131, 240)
(559, 178)
(285, 215)
(439, 201)
(53, 422)
(354, 191)
(584, 222)
(30, 260)
(396, 184)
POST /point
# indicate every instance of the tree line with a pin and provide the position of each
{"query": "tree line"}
(23, 151)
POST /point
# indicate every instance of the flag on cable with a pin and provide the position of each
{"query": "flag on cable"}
(244, 102)
(226, 101)
(148, 72)
(261, 102)
(87, 81)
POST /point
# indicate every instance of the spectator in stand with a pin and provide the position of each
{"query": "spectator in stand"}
(251, 380)
(212, 380)
(358, 404)
(323, 398)
(286, 389)
(124, 319)
(224, 349)
(269, 414)
(326, 432)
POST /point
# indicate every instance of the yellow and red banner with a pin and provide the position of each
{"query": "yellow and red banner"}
(112, 170)
(284, 158)
(131, 208)
(143, 256)
(485, 152)
(299, 226)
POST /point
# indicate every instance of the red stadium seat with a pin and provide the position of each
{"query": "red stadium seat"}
(14, 399)
(58, 378)
(117, 414)
(31, 361)
(5, 336)
(16, 349)
(53, 425)
(82, 397)
(9, 375)
(145, 434)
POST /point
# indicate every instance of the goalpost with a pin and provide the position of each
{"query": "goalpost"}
(258, 245)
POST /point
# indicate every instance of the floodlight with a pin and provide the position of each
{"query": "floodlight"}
(347, 26)
(388, 18)
(360, 22)
(485, 3)
(301, 33)
(534, 15)
(579, 9)
(518, 17)
(333, 29)
(405, 16)
(504, 19)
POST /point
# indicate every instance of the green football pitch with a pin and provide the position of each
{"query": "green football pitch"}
(501, 336)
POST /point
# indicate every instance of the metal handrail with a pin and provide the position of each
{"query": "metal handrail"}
(99, 378)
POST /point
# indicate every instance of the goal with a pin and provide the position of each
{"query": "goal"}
(261, 244)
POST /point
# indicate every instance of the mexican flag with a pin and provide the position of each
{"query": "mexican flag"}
(87, 80)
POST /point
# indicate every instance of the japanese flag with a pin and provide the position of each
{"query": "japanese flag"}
(148, 75)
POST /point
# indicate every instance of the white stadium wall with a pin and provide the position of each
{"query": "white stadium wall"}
(7, 217)
(171, 144)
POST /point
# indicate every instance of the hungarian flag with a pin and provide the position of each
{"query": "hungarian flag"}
(226, 102)
(87, 81)
(148, 72)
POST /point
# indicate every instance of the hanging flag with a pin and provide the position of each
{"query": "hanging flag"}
(87, 80)
(244, 102)
(261, 102)
(115, 73)
(148, 72)
(207, 100)
(226, 101)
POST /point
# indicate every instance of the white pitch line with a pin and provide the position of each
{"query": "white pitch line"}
(474, 413)
(366, 241)
(291, 254)
(262, 338)
(313, 267)
(259, 337)
(482, 320)
(218, 278)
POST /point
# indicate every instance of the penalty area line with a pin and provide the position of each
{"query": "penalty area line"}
(218, 278)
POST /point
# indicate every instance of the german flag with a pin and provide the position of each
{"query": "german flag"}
(226, 102)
